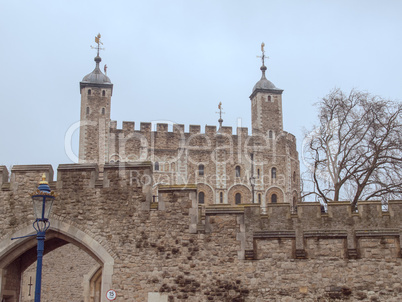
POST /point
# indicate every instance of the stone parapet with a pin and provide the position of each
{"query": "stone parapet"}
(192, 241)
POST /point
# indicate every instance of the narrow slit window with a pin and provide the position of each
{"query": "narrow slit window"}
(273, 173)
(103, 93)
(103, 111)
(237, 171)
(201, 170)
(156, 166)
(238, 198)
(221, 197)
(201, 197)
(87, 110)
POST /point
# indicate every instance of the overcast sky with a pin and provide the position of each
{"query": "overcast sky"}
(176, 60)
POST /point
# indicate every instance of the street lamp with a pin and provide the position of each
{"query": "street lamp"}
(42, 200)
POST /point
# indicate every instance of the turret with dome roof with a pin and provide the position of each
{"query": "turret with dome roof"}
(96, 91)
(266, 105)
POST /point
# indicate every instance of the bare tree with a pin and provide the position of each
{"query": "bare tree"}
(355, 153)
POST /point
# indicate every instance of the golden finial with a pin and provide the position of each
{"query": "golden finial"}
(263, 54)
(98, 41)
(44, 180)
(220, 115)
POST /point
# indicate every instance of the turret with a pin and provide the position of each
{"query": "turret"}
(266, 105)
(96, 92)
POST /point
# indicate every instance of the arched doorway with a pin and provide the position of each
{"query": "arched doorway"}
(16, 256)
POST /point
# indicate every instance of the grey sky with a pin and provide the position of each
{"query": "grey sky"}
(176, 60)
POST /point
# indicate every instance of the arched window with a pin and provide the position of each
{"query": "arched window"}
(270, 135)
(294, 176)
(103, 92)
(258, 173)
(273, 173)
(221, 197)
(237, 171)
(89, 91)
(259, 198)
(238, 198)
(156, 166)
(103, 111)
(269, 98)
(201, 170)
(201, 196)
(87, 110)
(274, 198)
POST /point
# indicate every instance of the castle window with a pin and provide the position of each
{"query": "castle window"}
(201, 197)
(103, 92)
(237, 171)
(270, 135)
(201, 170)
(259, 198)
(258, 173)
(89, 91)
(269, 98)
(103, 111)
(221, 197)
(294, 176)
(156, 166)
(238, 198)
(87, 110)
(273, 173)
(274, 198)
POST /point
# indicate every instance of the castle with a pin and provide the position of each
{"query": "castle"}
(228, 169)
(162, 216)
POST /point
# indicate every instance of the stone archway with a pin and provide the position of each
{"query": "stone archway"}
(274, 191)
(59, 234)
(244, 191)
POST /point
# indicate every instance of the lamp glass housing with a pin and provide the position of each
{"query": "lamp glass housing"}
(42, 205)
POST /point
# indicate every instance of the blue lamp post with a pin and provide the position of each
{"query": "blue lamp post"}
(42, 199)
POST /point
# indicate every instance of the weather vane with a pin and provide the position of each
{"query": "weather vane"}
(98, 41)
(220, 115)
(263, 54)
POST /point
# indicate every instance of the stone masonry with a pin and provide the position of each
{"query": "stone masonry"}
(178, 250)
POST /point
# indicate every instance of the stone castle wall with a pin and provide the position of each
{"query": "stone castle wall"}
(176, 250)
(179, 154)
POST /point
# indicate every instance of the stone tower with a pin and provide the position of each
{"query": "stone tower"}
(96, 93)
(266, 106)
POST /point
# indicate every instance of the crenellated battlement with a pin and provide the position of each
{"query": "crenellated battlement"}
(279, 217)
(146, 127)
(116, 210)
(178, 130)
